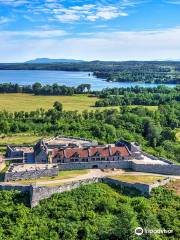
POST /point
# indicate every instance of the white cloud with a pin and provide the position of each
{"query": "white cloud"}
(109, 12)
(66, 18)
(4, 20)
(14, 3)
(32, 34)
(57, 10)
(140, 45)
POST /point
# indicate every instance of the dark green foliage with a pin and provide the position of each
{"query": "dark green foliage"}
(94, 211)
(154, 130)
(49, 90)
(138, 96)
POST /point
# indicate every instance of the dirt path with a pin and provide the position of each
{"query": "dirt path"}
(93, 173)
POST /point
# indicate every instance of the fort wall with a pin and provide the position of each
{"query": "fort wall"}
(30, 174)
(95, 164)
(157, 168)
(38, 193)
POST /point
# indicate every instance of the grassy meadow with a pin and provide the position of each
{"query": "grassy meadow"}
(138, 179)
(19, 139)
(28, 102)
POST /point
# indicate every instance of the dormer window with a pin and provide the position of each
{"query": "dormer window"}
(117, 153)
(97, 154)
(76, 155)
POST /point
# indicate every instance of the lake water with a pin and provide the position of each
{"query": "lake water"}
(28, 77)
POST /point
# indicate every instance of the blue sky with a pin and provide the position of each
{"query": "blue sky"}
(89, 30)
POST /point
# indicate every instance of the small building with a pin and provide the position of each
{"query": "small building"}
(20, 153)
(133, 147)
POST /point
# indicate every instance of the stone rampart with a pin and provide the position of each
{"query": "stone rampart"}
(39, 193)
(171, 169)
(144, 188)
(96, 164)
(30, 174)
(156, 158)
(21, 188)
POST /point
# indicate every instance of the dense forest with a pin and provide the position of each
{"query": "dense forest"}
(129, 71)
(92, 212)
(153, 130)
(137, 96)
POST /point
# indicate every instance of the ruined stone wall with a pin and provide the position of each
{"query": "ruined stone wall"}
(171, 169)
(95, 164)
(30, 174)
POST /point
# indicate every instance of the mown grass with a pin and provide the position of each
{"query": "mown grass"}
(19, 139)
(138, 179)
(61, 176)
(28, 102)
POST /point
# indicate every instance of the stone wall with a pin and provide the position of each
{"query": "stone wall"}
(21, 188)
(39, 193)
(30, 174)
(145, 189)
(156, 158)
(171, 169)
(96, 164)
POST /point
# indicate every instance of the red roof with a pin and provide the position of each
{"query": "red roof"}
(123, 151)
(70, 152)
(102, 151)
(91, 152)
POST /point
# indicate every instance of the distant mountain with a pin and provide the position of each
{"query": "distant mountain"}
(49, 60)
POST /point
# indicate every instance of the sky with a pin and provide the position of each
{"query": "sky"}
(106, 30)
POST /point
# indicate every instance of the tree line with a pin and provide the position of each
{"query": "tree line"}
(39, 89)
(138, 96)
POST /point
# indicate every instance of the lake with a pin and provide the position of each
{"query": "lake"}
(28, 77)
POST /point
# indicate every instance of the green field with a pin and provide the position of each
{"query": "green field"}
(138, 179)
(27, 102)
(19, 139)
(61, 176)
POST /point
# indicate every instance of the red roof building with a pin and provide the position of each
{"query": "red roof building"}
(99, 153)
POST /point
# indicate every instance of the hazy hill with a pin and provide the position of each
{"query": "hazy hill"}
(48, 60)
